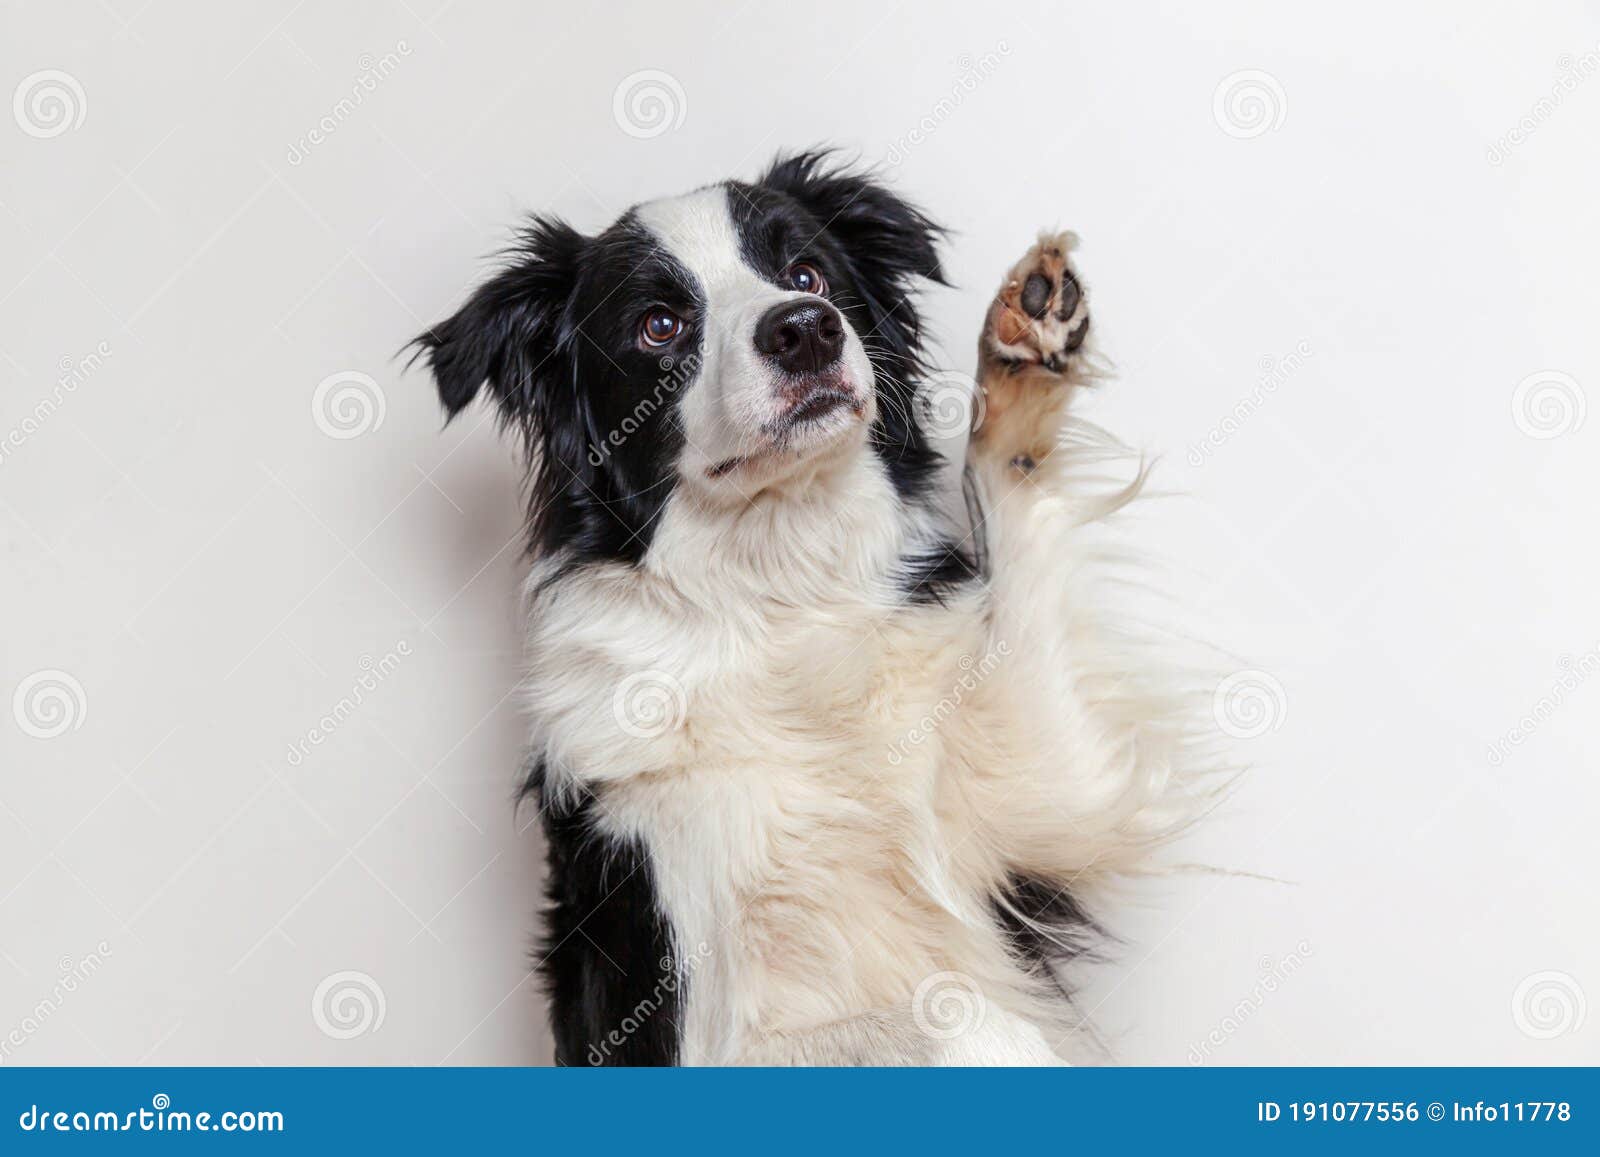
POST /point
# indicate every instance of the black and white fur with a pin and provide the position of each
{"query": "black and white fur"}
(743, 603)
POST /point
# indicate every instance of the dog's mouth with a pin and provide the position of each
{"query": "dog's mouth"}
(727, 467)
(816, 406)
(813, 409)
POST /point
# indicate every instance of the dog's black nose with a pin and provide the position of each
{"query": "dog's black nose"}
(801, 336)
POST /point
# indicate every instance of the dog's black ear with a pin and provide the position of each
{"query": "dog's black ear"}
(510, 333)
(879, 228)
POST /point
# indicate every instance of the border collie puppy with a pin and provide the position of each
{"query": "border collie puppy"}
(824, 778)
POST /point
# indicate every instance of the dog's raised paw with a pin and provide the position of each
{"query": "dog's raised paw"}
(1041, 314)
(1031, 354)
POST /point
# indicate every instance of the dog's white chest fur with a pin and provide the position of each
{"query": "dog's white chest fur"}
(778, 750)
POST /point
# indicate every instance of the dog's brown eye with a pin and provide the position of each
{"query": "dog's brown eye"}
(660, 326)
(806, 278)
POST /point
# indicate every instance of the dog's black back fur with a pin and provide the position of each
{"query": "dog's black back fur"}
(615, 981)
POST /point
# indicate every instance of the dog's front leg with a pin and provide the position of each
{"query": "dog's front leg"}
(1075, 740)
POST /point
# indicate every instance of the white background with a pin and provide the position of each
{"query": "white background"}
(1383, 536)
